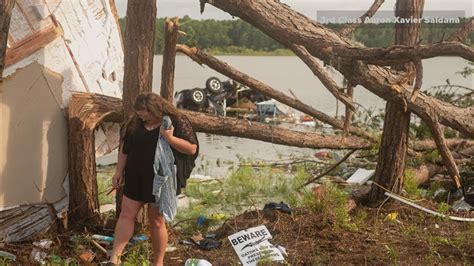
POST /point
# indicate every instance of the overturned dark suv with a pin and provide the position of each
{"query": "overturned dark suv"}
(216, 96)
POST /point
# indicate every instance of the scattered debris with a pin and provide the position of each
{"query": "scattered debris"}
(462, 205)
(454, 218)
(197, 262)
(391, 216)
(360, 176)
(283, 207)
(87, 256)
(44, 243)
(38, 256)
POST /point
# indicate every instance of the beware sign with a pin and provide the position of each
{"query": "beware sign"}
(251, 245)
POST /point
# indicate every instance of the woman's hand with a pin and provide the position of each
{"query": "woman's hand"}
(117, 180)
(167, 133)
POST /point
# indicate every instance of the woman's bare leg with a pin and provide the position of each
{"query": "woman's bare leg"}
(159, 234)
(125, 226)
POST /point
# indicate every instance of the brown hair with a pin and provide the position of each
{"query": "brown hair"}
(145, 101)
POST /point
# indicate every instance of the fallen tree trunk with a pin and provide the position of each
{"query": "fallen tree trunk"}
(85, 113)
(253, 130)
(283, 24)
(225, 69)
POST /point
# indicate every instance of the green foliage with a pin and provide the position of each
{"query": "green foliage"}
(411, 187)
(371, 118)
(392, 253)
(139, 254)
(220, 36)
(443, 208)
(332, 204)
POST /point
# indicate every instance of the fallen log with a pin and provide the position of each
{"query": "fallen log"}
(228, 126)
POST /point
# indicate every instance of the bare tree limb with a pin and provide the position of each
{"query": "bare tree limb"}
(443, 149)
(319, 72)
(349, 112)
(225, 69)
(461, 33)
(328, 170)
(400, 53)
(348, 29)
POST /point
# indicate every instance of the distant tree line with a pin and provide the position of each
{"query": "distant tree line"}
(238, 37)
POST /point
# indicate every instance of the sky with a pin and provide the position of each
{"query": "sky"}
(173, 8)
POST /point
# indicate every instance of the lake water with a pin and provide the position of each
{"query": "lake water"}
(283, 73)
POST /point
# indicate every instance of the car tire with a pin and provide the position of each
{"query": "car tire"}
(198, 96)
(214, 85)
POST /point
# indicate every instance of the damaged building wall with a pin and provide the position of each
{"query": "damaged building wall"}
(54, 47)
(33, 144)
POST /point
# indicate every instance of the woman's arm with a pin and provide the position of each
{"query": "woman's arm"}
(179, 144)
(121, 161)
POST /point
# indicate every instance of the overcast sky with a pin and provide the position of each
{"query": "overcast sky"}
(173, 8)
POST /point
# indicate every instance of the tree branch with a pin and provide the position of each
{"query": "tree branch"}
(319, 72)
(402, 53)
(349, 112)
(443, 149)
(348, 29)
(461, 33)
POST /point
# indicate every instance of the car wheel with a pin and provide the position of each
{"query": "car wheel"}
(214, 85)
(198, 96)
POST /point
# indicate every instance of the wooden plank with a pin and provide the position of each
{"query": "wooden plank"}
(32, 44)
(24, 222)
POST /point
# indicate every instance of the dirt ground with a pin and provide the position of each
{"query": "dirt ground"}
(309, 238)
(413, 238)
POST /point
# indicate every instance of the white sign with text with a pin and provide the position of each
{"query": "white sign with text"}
(251, 245)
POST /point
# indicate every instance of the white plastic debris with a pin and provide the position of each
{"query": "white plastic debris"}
(43, 243)
(461, 205)
(197, 262)
(360, 176)
(38, 256)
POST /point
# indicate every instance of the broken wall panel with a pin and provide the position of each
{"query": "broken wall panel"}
(94, 42)
(33, 144)
(55, 57)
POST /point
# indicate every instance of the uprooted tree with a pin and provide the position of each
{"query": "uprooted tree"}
(367, 67)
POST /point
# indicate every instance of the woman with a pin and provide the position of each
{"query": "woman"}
(141, 165)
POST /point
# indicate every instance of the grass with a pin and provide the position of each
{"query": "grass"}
(246, 188)
(104, 183)
(410, 186)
